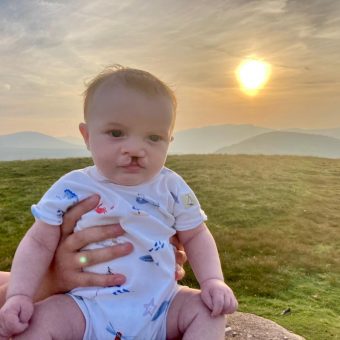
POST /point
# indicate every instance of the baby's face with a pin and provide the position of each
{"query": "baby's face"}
(128, 134)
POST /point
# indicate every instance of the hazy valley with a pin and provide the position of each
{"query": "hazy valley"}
(228, 139)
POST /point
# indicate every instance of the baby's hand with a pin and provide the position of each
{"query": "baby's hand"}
(218, 296)
(14, 315)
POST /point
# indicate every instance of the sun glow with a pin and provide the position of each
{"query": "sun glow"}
(252, 75)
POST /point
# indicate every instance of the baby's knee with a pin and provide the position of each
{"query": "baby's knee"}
(194, 308)
(188, 315)
(195, 303)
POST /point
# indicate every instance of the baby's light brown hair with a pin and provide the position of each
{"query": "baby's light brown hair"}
(140, 80)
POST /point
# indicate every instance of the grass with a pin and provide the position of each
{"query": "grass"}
(275, 219)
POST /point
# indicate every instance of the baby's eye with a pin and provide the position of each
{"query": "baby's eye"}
(155, 138)
(116, 133)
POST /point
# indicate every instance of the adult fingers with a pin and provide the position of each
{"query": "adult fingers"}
(80, 239)
(174, 240)
(181, 257)
(74, 214)
(88, 258)
(87, 279)
(179, 273)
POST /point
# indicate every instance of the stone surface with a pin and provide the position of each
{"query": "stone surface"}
(250, 327)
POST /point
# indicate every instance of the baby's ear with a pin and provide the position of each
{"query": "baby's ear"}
(85, 133)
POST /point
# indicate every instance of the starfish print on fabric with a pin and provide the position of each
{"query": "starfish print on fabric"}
(150, 308)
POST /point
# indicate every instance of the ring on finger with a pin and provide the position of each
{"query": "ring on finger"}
(83, 259)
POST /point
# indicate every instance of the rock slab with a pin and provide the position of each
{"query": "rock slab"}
(248, 326)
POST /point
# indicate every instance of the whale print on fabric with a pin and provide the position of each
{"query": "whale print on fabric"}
(163, 307)
(138, 212)
(174, 197)
(157, 246)
(142, 200)
(148, 258)
(68, 194)
(120, 290)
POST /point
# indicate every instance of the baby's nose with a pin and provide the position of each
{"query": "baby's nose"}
(133, 148)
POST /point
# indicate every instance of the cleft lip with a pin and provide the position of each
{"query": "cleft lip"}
(134, 164)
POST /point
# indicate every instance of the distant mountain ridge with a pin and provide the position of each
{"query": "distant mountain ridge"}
(332, 132)
(209, 139)
(287, 143)
(34, 145)
(246, 139)
(73, 140)
(30, 139)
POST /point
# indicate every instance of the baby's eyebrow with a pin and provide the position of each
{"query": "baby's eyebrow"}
(158, 132)
(113, 124)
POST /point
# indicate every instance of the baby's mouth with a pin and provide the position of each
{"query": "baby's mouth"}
(133, 165)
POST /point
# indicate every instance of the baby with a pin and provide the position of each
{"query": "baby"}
(129, 119)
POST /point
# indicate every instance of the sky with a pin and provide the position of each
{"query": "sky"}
(50, 48)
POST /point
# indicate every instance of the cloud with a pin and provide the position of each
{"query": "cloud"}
(48, 48)
(6, 87)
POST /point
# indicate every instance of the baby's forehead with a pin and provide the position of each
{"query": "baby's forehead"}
(109, 96)
(130, 83)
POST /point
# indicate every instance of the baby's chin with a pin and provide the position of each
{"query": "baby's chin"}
(130, 179)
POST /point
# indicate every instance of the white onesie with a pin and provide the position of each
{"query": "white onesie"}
(150, 214)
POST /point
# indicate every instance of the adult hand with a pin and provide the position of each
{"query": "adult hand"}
(65, 272)
(181, 257)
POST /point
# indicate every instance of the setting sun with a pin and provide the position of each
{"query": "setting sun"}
(253, 75)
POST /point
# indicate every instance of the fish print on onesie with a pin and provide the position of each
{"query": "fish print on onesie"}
(150, 214)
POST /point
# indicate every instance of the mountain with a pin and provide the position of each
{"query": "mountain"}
(29, 139)
(33, 145)
(73, 140)
(334, 132)
(209, 139)
(233, 139)
(287, 143)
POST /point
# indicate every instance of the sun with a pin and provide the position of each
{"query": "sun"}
(253, 74)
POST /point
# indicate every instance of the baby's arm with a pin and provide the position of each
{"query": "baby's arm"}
(31, 260)
(203, 257)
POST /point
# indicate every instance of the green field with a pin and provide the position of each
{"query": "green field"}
(276, 221)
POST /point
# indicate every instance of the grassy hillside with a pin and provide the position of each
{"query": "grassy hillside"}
(276, 221)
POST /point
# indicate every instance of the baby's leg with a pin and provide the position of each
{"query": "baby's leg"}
(189, 318)
(57, 317)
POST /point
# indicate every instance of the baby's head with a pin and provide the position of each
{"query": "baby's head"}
(129, 119)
